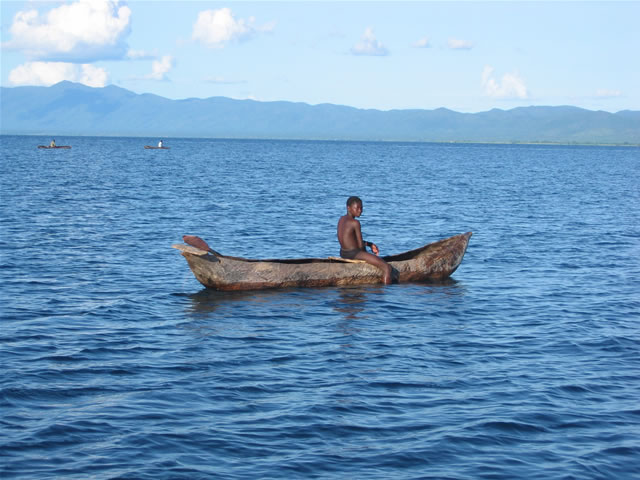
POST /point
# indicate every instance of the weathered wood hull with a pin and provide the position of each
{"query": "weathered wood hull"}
(149, 147)
(57, 146)
(435, 261)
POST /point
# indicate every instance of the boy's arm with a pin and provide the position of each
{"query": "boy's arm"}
(363, 245)
(358, 233)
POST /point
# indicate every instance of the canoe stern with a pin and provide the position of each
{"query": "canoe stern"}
(436, 261)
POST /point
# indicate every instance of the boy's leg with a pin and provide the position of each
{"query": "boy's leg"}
(378, 262)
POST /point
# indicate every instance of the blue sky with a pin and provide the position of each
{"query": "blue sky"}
(466, 56)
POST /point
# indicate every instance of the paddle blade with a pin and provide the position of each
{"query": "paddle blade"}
(196, 242)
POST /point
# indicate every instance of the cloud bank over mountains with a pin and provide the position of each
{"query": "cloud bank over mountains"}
(48, 73)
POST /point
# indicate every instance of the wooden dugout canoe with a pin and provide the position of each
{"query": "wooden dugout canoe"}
(149, 147)
(57, 146)
(433, 262)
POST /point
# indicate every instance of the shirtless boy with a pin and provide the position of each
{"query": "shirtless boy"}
(351, 244)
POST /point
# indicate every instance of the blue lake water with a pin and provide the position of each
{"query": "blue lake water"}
(116, 363)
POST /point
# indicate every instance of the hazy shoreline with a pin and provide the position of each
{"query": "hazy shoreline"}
(74, 109)
(453, 142)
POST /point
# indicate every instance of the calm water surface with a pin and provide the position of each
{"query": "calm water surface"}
(116, 363)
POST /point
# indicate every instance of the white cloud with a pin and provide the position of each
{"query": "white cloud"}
(50, 73)
(422, 43)
(510, 86)
(83, 31)
(457, 44)
(160, 68)
(216, 28)
(369, 45)
(605, 93)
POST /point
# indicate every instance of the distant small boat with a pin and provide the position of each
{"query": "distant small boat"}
(149, 147)
(57, 146)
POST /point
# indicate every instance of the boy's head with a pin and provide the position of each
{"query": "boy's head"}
(353, 200)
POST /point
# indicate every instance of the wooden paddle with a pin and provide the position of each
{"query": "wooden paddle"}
(346, 260)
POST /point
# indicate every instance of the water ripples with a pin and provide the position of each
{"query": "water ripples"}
(117, 364)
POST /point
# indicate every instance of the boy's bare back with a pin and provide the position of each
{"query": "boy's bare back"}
(348, 229)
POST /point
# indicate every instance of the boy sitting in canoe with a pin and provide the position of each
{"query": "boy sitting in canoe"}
(351, 244)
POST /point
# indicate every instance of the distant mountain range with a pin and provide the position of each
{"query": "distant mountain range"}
(74, 109)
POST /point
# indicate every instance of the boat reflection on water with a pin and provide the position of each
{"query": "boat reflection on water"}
(351, 302)
(208, 300)
(354, 302)
(307, 311)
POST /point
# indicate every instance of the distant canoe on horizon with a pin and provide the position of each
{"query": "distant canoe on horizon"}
(149, 147)
(57, 146)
